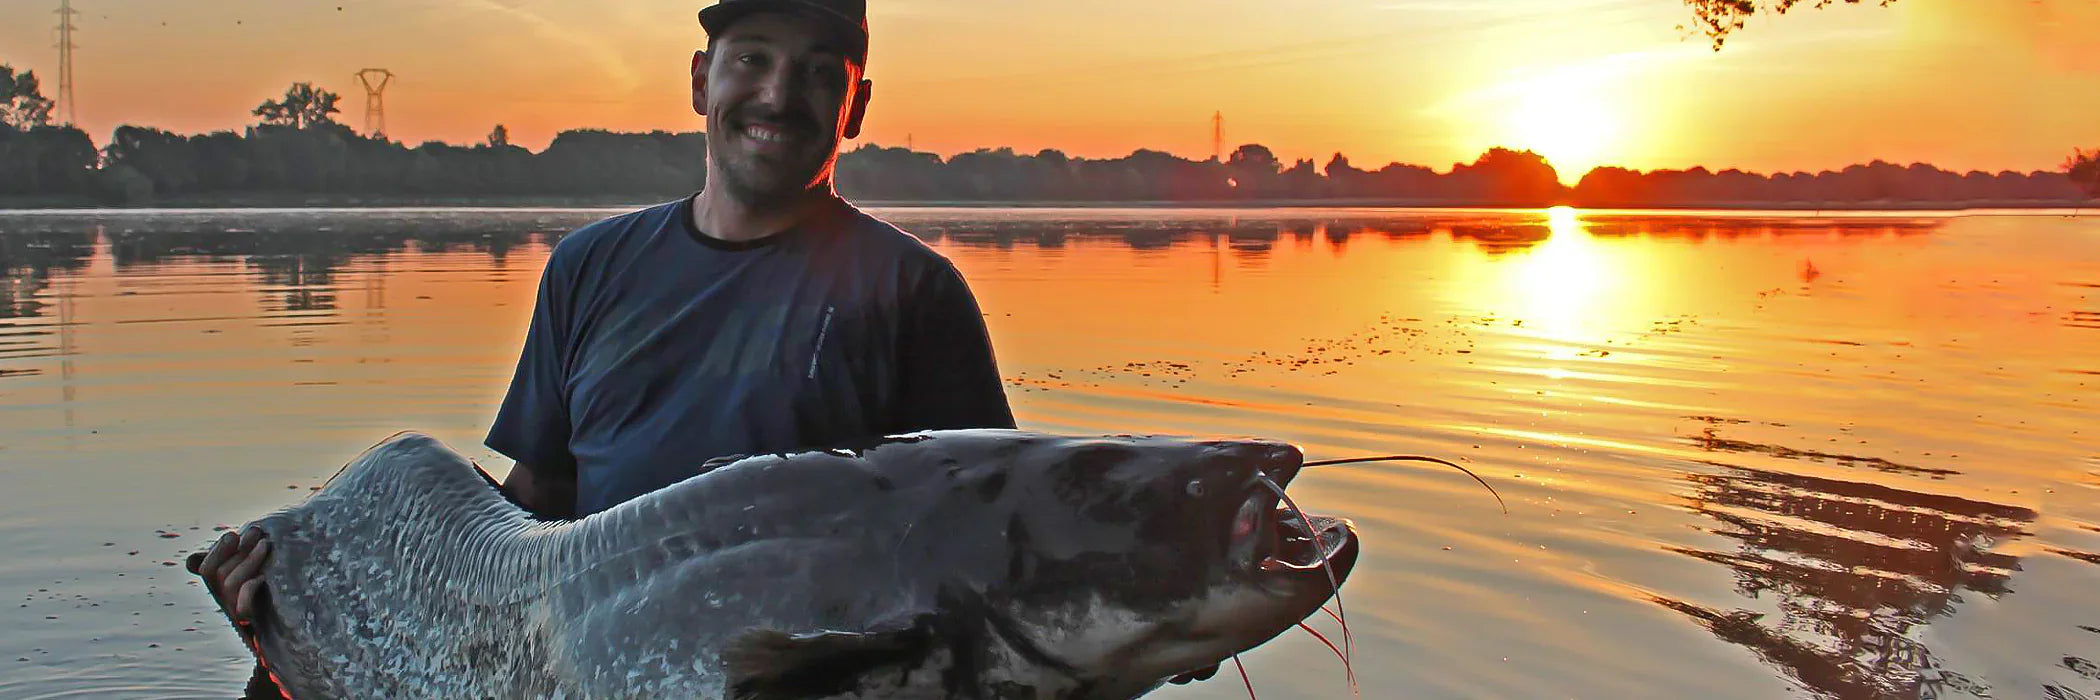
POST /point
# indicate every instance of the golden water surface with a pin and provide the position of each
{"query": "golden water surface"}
(1745, 455)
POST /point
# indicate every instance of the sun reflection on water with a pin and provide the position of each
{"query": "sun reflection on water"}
(1564, 288)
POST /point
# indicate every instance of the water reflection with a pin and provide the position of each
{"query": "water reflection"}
(2085, 669)
(1737, 227)
(289, 254)
(1338, 235)
(2087, 557)
(1710, 440)
(297, 267)
(1501, 239)
(2089, 293)
(27, 262)
(1434, 330)
(27, 265)
(1854, 571)
(1563, 281)
(1251, 244)
(1493, 232)
(295, 262)
(303, 267)
(303, 281)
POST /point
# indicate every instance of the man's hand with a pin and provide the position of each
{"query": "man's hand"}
(1201, 674)
(232, 571)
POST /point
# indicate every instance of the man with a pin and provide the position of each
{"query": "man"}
(762, 314)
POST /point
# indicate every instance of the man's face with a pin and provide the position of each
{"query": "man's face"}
(779, 95)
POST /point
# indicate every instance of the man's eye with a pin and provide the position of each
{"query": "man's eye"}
(751, 59)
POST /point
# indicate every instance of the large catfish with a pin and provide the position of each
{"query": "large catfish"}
(981, 563)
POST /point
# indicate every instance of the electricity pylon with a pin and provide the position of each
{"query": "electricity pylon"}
(375, 80)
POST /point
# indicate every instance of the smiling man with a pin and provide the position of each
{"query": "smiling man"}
(762, 314)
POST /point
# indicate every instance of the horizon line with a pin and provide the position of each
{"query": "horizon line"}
(1284, 163)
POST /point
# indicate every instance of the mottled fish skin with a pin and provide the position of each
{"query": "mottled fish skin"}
(974, 554)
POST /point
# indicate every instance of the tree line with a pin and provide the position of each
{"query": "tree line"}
(297, 152)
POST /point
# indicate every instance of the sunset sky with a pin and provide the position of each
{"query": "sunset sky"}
(1964, 84)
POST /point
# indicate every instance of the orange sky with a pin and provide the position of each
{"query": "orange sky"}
(1965, 84)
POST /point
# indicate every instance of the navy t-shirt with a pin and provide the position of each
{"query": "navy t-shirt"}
(654, 347)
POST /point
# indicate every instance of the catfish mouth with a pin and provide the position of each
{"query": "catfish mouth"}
(1270, 538)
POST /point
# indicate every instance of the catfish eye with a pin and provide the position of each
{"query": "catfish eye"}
(1196, 488)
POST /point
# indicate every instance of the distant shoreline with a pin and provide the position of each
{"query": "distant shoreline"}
(1421, 204)
(16, 203)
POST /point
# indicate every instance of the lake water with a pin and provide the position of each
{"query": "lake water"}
(1745, 455)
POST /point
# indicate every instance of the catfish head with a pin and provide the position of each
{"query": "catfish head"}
(1132, 560)
(1085, 567)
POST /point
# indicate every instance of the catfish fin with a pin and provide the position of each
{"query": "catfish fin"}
(775, 665)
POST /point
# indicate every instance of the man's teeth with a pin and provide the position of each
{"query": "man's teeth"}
(766, 134)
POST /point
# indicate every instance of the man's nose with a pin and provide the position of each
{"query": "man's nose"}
(777, 88)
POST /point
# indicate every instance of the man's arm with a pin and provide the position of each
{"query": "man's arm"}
(532, 423)
(949, 377)
(531, 426)
(545, 497)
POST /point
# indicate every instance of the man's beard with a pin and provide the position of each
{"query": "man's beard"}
(757, 185)
(760, 180)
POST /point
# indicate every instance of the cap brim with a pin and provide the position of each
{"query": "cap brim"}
(716, 18)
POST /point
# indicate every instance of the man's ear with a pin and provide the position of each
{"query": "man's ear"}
(700, 82)
(860, 108)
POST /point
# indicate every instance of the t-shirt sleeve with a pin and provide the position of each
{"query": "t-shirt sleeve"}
(950, 378)
(532, 425)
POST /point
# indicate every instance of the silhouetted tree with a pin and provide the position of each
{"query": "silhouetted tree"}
(1253, 169)
(1339, 165)
(303, 107)
(1346, 180)
(290, 159)
(301, 154)
(1872, 184)
(1508, 178)
(46, 160)
(2084, 168)
(1612, 186)
(1719, 18)
(995, 175)
(167, 161)
(36, 157)
(1301, 181)
(22, 103)
(601, 162)
(875, 172)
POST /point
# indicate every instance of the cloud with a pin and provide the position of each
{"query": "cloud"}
(1621, 68)
(1590, 74)
(2057, 33)
(592, 49)
(1500, 7)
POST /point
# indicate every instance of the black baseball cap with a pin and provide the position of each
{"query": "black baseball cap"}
(849, 17)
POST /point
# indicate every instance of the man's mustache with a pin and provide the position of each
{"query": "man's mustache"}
(803, 122)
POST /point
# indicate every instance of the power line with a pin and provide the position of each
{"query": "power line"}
(1217, 136)
(66, 104)
(375, 99)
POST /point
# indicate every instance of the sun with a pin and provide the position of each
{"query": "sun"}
(1573, 127)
